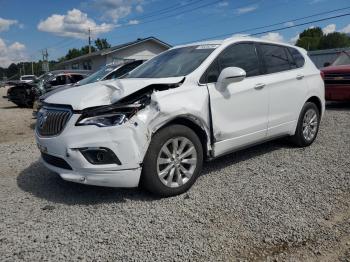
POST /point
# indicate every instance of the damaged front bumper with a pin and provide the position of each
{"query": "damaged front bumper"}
(63, 153)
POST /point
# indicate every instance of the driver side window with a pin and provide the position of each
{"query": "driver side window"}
(238, 55)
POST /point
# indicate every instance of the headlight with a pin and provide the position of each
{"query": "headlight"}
(103, 120)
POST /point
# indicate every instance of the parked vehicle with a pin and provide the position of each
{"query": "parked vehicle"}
(337, 78)
(23, 94)
(111, 71)
(191, 103)
(27, 78)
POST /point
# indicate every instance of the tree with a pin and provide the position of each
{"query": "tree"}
(102, 43)
(85, 50)
(310, 38)
(334, 40)
(72, 53)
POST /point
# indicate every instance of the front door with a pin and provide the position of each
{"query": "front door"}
(239, 111)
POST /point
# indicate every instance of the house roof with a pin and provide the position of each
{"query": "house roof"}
(116, 48)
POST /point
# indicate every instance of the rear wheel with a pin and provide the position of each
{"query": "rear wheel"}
(173, 161)
(308, 125)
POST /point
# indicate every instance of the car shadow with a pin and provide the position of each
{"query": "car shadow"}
(42, 183)
(45, 184)
(9, 107)
(338, 106)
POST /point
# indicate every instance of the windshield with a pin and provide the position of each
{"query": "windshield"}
(175, 62)
(27, 77)
(342, 59)
(97, 76)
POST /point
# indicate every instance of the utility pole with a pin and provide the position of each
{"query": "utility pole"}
(24, 71)
(45, 61)
(89, 41)
(32, 68)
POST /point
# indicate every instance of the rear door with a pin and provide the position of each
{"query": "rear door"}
(286, 87)
(240, 111)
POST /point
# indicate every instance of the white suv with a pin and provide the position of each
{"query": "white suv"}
(191, 103)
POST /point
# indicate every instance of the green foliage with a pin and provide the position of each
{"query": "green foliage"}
(334, 40)
(314, 39)
(102, 43)
(74, 52)
(315, 32)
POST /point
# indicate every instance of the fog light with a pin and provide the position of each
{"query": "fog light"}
(99, 156)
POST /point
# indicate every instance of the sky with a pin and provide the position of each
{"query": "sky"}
(27, 27)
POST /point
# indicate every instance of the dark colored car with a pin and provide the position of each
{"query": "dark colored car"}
(337, 79)
(23, 94)
(108, 72)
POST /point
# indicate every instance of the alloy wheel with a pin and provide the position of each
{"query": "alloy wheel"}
(176, 162)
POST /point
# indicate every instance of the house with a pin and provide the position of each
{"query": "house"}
(141, 49)
(320, 57)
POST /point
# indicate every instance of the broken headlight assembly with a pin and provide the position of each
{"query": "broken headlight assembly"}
(103, 120)
(107, 115)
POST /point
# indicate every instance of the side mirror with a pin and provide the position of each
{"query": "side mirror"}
(326, 64)
(230, 75)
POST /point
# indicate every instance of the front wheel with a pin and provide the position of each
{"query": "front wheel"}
(173, 161)
(308, 125)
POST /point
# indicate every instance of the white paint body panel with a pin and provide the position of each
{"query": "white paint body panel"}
(232, 118)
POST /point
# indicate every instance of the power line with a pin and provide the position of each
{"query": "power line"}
(278, 29)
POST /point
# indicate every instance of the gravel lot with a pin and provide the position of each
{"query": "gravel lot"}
(271, 202)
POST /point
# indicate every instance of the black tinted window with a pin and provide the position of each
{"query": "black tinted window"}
(275, 58)
(124, 70)
(75, 78)
(298, 58)
(239, 55)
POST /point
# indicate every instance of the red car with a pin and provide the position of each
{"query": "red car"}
(337, 78)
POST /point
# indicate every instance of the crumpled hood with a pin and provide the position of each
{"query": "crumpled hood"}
(104, 92)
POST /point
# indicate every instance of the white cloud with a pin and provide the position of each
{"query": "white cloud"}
(117, 9)
(276, 37)
(329, 29)
(346, 29)
(13, 53)
(294, 39)
(73, 24)
(289, 23)
(223, 4)
(133, 22)
(5, 24)
(247, 9)
(240, 35)
(139, 8)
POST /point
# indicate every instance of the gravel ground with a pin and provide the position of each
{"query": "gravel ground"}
(272, 202)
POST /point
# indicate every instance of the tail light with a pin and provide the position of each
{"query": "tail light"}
(322, 74)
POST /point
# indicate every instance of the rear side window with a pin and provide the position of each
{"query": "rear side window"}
(76, 78)
(275, 58)
(299, 60)
(239, 55)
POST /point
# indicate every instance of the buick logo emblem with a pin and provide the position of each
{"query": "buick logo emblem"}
(42, 116)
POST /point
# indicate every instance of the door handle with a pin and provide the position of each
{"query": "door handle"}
(299, 77)
(259, 86)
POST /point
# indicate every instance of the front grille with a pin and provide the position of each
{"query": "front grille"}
(337, 78)
(55, 161)
(51, 121)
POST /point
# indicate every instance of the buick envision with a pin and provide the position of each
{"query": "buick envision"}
(191, 103)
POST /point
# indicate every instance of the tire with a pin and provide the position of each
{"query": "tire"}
(166, 175)
(301, 138)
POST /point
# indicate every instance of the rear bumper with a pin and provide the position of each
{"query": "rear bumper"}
(337, 92)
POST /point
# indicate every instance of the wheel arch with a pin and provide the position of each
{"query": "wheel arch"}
(317, 101)
(195, 125)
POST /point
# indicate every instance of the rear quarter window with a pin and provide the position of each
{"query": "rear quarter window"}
(299, 60)
(275, 58)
